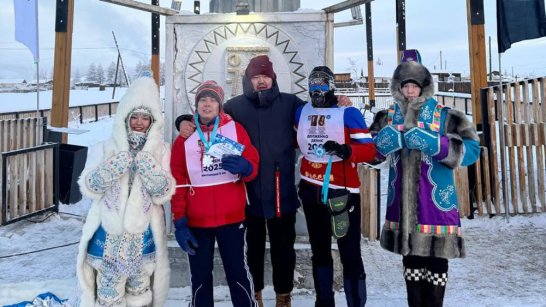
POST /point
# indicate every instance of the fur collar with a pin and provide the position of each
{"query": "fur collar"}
(415, 71)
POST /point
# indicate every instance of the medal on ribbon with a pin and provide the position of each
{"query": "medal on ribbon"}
(319, 151)
(207, 159)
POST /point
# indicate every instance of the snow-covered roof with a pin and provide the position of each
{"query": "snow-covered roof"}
(12, 81)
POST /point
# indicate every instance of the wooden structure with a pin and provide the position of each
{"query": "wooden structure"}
(522, 154)
(61, 66)
(29, 179)
(370, 201)
(85, 113)
(476, 42)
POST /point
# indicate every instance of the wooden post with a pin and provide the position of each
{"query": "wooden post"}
(509, 138)
(491, 141)
(486, 179)
(476, 42)
(540, 136)
(400, 28)
(369, 44)
(528, 139)
(155, 44)
(519, 126)
(369, 180)
(61, 69)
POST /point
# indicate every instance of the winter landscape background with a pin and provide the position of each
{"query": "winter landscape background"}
(505, 265)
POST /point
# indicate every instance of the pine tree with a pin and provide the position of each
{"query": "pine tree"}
(111, 73)
(77, 76)
(100, 74)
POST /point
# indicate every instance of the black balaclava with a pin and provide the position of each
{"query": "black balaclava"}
(321, 87)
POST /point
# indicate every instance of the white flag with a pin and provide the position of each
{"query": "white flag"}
(26, 25)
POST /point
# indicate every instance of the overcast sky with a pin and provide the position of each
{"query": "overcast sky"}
(432, 27)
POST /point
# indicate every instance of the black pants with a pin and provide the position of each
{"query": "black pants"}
(282, 236)
(320, 231)
(231, 244)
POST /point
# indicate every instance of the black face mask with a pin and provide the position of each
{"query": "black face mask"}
(321, 99)
(318, 99)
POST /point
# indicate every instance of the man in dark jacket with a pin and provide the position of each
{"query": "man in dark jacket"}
(268, 117)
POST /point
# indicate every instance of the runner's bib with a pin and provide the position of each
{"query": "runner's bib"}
(207, 175)
(316, 126)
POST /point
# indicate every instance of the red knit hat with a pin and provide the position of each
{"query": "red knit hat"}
(260, 65)
(212, 89)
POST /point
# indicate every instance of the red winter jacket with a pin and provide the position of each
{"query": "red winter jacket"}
(217, 205)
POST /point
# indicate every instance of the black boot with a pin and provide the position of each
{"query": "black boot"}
(355, 291)
(435, 289)
(323, 278)
(415, 286)
(415, 290)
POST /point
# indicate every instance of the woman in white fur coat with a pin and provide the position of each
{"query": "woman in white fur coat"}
(122, 259)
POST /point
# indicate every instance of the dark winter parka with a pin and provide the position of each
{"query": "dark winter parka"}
(268, 117)
(422, 211)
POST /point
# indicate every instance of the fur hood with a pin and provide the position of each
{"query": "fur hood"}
(142, 93)
(419, 74)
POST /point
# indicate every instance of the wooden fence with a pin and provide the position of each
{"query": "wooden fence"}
(82, 114)
(370, 200)
(29, 179)
(515, 137)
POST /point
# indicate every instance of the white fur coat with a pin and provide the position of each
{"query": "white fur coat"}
(129, 215)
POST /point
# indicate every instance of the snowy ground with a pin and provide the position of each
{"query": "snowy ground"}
(505, 266)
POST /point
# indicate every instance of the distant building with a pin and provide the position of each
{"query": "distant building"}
(230, 6)
(13, 83)
(343, 80)
(445, 76)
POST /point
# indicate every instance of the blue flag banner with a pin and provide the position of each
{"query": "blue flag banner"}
(519, 20)
(26, 25)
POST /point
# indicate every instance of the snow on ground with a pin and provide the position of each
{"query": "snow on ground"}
(505, 265)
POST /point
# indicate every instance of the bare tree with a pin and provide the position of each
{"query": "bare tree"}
(353, 67)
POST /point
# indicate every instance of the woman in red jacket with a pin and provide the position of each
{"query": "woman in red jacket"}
(210, 168)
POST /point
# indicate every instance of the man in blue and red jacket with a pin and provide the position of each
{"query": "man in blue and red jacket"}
(326, 132)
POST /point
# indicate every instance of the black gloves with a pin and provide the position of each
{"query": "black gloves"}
(184, 237)
(341, 150)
